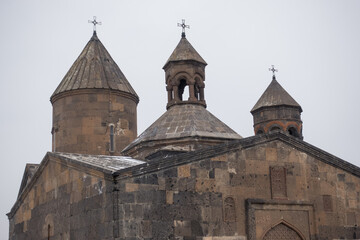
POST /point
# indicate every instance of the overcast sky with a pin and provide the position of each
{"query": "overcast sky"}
(314, 44)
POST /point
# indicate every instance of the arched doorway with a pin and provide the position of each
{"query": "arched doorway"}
(282, 232)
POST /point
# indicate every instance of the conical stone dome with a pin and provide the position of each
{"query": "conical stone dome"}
(95, 69)
(276, 110)
(275, 95)
(94, 106)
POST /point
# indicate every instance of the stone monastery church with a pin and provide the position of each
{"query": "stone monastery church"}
(186, 177)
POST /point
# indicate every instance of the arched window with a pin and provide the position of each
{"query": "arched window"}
(275, 128)
(293, 132)
(259, 132)
(183, 90)
(112, 140)
(197, 91)
(229, 210)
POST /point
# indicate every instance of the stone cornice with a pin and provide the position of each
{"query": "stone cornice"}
(94, 90)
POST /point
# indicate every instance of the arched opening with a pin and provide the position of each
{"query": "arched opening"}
(183, 90)
(197, 91)
(293, 132)
(282, 231)
(229, 210)
(259, 132)
(275, 128)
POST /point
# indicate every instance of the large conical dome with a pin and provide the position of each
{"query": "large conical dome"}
(94, 106)
(95, 69)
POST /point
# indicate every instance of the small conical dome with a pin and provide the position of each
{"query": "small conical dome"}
(95, 69)
(275, 95)
(276, 110)
(184, 51)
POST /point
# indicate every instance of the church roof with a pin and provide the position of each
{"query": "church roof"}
(185, 51)
(243, 143)
(188, 120)
(275, 95)
(100, 162)
(95, 69)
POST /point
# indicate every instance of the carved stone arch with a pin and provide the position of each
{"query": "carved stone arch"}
(284, 231)
(274, 124)
(229, 209)
(178, 84)
(275, 127)
(198, 79)
(292, 130)
(180, 76)
(183, 80)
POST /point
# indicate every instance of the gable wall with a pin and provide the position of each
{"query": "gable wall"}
(76, 205)
(212, 198)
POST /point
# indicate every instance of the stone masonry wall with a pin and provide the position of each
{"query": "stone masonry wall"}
(242, 194)
(65, 203)
(82, 119)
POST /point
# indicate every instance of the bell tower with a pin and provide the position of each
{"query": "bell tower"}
(185, 74)
(276, 110)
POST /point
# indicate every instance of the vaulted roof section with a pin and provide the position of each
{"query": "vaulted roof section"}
(275, 95)
(95, 69)
(184, 51)
(182, 121)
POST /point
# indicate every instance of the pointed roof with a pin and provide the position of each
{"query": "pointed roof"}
(181, 121)
(95, 69)
(185, 51)
(275, 95)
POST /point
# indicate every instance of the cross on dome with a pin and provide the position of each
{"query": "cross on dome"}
(183, 25)
(272, 69)
(95, 23)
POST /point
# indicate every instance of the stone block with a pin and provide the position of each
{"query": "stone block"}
(184, 171)
(271, 154)
(182, 228)
(205, 185)
(222, 158)
(169, 197)
(131, 187)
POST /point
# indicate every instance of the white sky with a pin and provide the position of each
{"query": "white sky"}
(314, 44)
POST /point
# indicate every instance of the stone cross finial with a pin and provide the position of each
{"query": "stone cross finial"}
(183, 25)
(94, 22)
(272, 69)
